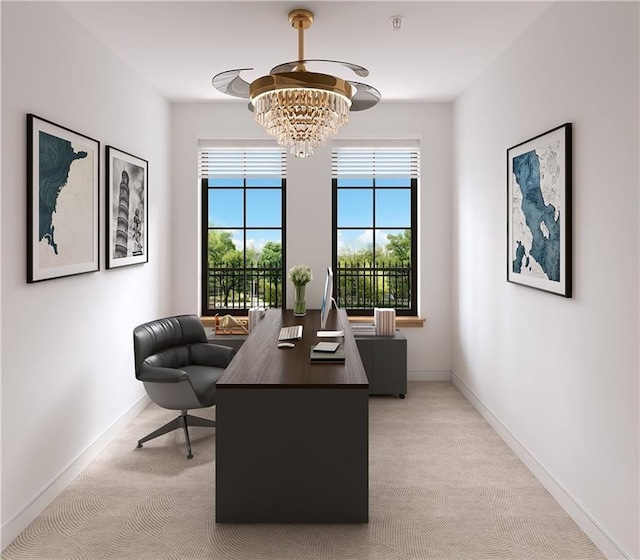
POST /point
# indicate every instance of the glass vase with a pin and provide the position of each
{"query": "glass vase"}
(299, 302)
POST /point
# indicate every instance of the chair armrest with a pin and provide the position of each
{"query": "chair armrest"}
(161, 374)
(214, 355)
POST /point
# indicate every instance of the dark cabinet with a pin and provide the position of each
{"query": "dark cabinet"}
(385, 362)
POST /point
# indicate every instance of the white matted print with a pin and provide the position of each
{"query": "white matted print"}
(63, 169)
(127, 209)
(539, 212)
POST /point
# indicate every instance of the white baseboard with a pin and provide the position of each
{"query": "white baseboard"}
(428, 375)
(18, 522)
(598, 535)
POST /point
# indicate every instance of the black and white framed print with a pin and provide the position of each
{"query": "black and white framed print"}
(127, 209)
(539, 212)
(63, 202)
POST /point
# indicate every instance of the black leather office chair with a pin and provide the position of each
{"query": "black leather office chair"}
(179, 369)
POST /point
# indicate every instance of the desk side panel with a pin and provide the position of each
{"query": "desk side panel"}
(292, 455)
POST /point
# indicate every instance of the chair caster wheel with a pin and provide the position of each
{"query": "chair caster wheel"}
(138, 446)
(190, 456)
(401, 396)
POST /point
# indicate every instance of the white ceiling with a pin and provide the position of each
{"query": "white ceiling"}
(179, 46)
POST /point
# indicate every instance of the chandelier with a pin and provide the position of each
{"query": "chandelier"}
(301, 109)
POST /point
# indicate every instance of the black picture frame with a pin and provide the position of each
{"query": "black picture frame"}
(127, 223)
(63, 201)
(539, 215)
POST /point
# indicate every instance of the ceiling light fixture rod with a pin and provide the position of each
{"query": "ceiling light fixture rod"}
(300, 20)
(300, 42)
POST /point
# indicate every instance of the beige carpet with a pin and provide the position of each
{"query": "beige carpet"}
(443, 485)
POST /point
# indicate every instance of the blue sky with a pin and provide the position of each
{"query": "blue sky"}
(355, 210)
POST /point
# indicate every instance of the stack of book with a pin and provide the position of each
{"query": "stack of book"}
(363, 329)
(385, 321)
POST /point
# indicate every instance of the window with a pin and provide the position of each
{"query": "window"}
(375, 229)
(243, 213)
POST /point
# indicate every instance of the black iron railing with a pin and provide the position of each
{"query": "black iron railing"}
(365, 286)
(358, 286)
(238, 288)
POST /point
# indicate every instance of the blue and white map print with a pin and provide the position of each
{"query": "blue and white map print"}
(57, 155)
(537, 213)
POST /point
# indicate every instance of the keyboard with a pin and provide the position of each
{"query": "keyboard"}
(290, 333)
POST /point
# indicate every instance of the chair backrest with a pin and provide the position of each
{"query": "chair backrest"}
(168, 339)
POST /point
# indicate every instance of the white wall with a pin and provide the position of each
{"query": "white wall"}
(66, 343)
(309, 209)
(67, 358)
(558, 376)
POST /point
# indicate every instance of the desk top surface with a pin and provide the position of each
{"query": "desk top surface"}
(260, 363)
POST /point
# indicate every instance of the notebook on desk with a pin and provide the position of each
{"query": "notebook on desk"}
(326, 347)
(336, 356)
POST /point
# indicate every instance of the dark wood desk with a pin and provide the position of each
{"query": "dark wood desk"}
(292, 437)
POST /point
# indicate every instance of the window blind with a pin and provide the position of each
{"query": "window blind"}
(242, 162)
(366, 162)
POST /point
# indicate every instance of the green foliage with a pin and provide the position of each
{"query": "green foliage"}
(230, 285)
(271, 254)
(271, 292)
(372, 285)
(399, 246)
(354, 257)
(251, 255)
(270, 287)
(220, 243)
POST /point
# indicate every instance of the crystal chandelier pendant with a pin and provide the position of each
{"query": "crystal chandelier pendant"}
(301, 119)
(300, 109)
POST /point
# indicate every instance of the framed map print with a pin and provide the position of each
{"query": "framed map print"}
(127, 209)
(539, 212)
(63, 169)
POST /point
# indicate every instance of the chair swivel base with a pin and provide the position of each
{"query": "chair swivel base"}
(183, 421)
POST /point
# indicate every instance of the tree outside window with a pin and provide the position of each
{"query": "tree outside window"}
(243, 229)
(375, 209)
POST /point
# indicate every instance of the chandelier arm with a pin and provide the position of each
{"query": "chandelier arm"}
(290, 66)
(366, 96)
(230, 83)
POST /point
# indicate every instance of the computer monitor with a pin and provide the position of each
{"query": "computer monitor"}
(327, 298)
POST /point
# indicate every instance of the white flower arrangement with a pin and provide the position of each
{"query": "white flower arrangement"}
(300, 274)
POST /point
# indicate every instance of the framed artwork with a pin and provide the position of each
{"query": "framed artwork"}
(539, 212)
(127, 209)
(63, 202)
